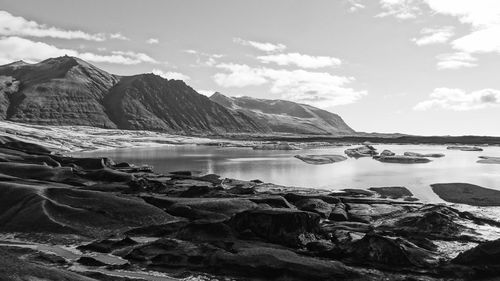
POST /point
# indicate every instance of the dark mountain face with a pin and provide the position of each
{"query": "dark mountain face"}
(69, 91)
(282, 116)
(59, 91)
(150, 102)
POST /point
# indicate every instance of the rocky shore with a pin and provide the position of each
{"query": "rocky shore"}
(124, 222)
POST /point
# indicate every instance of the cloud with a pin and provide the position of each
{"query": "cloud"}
(455, 60)
(240, 75)
(171, 75)
(11, 25)
(401, 9)
(207, 93)
(305, 61)
(118, 36)
(153, 41)
(265, 47)
(459, 100)
(355, 6)
(434, 35)
(316, 88)
(15, 48)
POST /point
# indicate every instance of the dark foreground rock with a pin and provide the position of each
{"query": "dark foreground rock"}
(321, 159)
(184, 222)
(467, 194)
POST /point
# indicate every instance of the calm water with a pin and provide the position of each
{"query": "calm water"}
(280, 167)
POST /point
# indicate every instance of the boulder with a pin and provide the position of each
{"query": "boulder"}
(362, 151)
(317, 206)
(387, 153)
(338, 213)
(380, 250)
(281, 226)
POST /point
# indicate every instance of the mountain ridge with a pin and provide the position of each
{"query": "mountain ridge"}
(282, 116)
(70, 91)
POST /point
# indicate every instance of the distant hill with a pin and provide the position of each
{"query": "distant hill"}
(69, 91)
(282, 116)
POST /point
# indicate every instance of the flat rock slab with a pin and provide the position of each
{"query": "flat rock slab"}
(416, 154)
(393, 192)
(465, 193)
(402, 159)
(488, 160)
(321, 159)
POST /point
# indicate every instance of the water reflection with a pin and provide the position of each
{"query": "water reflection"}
(281, 167)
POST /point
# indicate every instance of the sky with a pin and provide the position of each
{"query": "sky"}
(427, 67)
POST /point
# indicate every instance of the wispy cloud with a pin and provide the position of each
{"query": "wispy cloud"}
(434, 35)
(355, 5)
(316, 88)
(118, 36)
(153, 41)
(460, 100)
(16, 48)
(11, 25)
(171, 74)
(261, 46)
(401, 9)
(301, 60)
(455, 60)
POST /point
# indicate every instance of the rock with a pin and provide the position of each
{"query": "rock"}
(210, 209)
(354, 192)
(159, 230)
(90, 261)
(107, 245)
(362, 151)
(489, 160)
(465, 148)
(205, 231)
(274, 201)
(401, 159)
(484, 255)
(465, 193)
(393, 192)
(338, 213)
(294, 197)
(281, 264)
(433, 222)
(281, 226)
(387, 153)
(321, 159)
(415, 154)
(317, 206)
(379, 250)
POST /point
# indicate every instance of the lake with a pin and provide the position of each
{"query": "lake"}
(280, 167)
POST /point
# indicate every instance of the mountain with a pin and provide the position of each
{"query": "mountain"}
(57, 91)
(70, 91)
(282, 116)
(149, 102)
